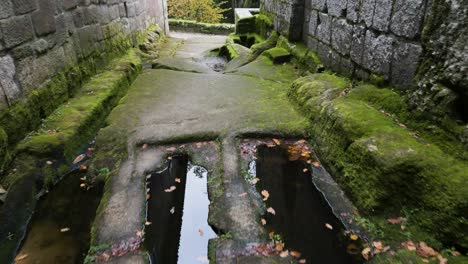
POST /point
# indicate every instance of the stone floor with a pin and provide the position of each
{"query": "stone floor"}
(184, 100)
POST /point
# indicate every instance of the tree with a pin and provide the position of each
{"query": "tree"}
(199, 10)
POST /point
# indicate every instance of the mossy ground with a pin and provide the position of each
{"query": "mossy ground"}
(382, 165)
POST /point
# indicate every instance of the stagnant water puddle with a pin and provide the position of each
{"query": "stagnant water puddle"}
(59, 231)
(303, 218)
(177, 213)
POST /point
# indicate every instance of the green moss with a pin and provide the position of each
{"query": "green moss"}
(206, 28)
(380, 164)
(263, 25)
(245, 25)
(278, 55)
(4, 153)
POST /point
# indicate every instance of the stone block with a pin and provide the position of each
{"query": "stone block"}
(335, 61)
(91, 15)
(16, 30)
(318, 4)
(405, 61)
(69, 4)
(114, 12)
(341, 36)
(378, 53)
(84, 2)
(312, 43)
(86, 39)
(24, 6)
(103, 15)
(23, 51)
(357, 43)
(313, 22)
(353, 8)
(131, 10)
(367, 12)
(324, 28)
(61, 33)
(122, 10)
(336, 7)
(407, 16)
(324, 53)
(78, 17)
(43, 19)
(7, 78)
(346, 67)
(382, 13)
(6, 9)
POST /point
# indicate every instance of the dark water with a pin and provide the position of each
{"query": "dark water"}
(66, 206)
(179, 230)
(301, 211)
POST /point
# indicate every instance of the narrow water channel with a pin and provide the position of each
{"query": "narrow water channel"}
(177, 214)
(59, 231)
(303, 217)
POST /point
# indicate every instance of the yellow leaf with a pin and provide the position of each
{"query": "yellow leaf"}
(277, 141)
(265, 194)
(354, 237)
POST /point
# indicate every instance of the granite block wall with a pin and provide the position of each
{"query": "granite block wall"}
(38, 38)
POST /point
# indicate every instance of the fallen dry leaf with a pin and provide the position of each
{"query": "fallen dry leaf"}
(265, 195)
(378, 245)
(396, 221)
(366, 253)
(426, 251)
(295, 254)
(140, 233)
(277, 141)
(242, 194)
(147, 223)
(200, 232)
(279, 247)
(316, 164)
(83, 168)
(408, 245)
(284, 254)
(425, 260)
(148, 196)
(441, 259)
(271, 210)
(354, 237)
(171, 149)
(169, 158)
(21, 257)
(65, 229)
(177, 180)
(254, 181)
(170, 189)
(263, 221)
(79, 158)
(327, 225)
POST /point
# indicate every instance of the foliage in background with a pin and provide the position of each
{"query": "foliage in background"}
(199, 10)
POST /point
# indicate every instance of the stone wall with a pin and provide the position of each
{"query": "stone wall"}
(39, 38)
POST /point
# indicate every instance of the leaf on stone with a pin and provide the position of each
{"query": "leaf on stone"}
(277, 141)
(79, 158)
(295, 254)
(170, 189)
(177, 180)
(271, 210)
(263, 221)
(396, 221)
(284, 254)
(327, 225)
(265, 195)
(366, 253)
(21, 257)
(426, 251)
(65, 229)
(171, 149)
(200, 232)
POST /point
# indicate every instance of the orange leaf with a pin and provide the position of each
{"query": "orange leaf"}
(265, 194)
(426, 251)
(148, 196)
(277, 141)
(378, 245)
(316, 164)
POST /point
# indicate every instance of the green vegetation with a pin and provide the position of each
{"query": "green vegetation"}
(278, 55)
(200, 11)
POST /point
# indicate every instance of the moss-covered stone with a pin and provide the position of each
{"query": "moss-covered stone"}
(199, 27)
(4, 154)
(278, 55)
(380, 164)
(246, 25)
(263, 25)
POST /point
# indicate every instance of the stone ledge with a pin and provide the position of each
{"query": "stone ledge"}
(199, 27)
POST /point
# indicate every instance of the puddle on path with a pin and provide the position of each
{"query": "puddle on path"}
(301, 210)
(179, 230)
(67, 206)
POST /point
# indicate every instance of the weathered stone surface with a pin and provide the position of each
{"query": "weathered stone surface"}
(86, 39)
(378, 53)
(312, 43)
(24, 6)
(324, 52)
(405, 62)
(70, 4)
(7, 81)
(43, 19)
(353, 7)
(91, 15)
(324, 28)
(341, 36)
(318, 4)
(336, 7)
(16, 30)
(346, 67)
(78, 17)
(406, 20)
(313, 19)
(40, 46)
(6, 9)
(367, 12)
(382, 13)
(114, 12)
(84, 2)
(131, 10)
(104, 14)
(122, 10)
(61, 33)
(357, 43)
(22, 51)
